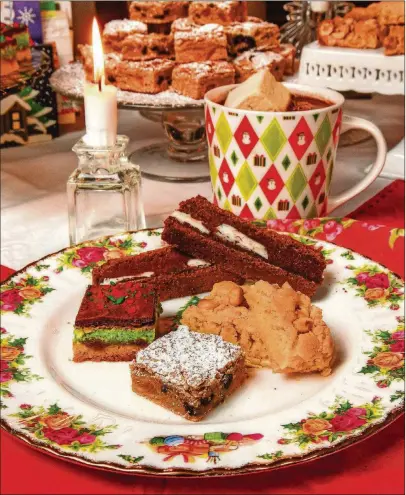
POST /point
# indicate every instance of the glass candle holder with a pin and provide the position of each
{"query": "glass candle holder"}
(104, 192)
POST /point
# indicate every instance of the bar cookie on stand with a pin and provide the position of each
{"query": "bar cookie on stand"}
(158, 12)
(195, 79)
(217, 12)
(200, 44)
(115, 32)
(147, 46)
(146, 76)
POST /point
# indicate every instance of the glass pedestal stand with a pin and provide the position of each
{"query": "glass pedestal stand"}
(183, 158)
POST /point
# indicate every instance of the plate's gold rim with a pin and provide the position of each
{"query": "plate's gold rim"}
(250, 468)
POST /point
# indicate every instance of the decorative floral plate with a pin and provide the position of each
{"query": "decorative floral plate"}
(88, 414)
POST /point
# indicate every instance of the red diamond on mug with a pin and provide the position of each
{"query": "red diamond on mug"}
(246, 213)
(301, 138)
(246, 137)
(209, 127)
(317, 179)
(226, 177)
(271, 184)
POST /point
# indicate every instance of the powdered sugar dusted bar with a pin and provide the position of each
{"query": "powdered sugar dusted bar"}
(158, 12)
(188, 372)
(201, 43)
(217, 12)
(195, 79)
(247, 35)
(116, 31)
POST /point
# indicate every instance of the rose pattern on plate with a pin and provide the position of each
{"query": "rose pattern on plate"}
(376, 285)
(328, 228)
(18, 296)
(56, 427)
(341, 420)
(208, 446)
(386, 362)
(88, 255)
(12, 361)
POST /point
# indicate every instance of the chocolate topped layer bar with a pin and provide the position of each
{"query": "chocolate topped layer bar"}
(115, 321)
(203, 230)
(188, 373)
(172, 273)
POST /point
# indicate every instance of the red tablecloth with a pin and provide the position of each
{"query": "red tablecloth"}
(375, 466)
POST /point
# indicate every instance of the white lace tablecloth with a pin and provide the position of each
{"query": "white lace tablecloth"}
(33, 180)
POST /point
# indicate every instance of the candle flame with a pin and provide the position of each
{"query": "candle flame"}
(98, 57)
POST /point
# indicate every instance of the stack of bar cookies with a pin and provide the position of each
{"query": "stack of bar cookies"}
(189, 47)
(378, 25)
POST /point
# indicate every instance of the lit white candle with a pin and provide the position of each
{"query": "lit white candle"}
(100, 100)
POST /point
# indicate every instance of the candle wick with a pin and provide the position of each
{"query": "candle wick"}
(100, 85)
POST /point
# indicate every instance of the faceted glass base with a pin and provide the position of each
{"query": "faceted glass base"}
(104, 193)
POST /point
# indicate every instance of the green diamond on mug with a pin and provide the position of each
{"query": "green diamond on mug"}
(273, 139)
(296, 183)
(227, 205)
(234, 158)
(223, 132)
(270, 214)
(219, 195)
(258, 204)
(246, 181)
(305, 202)
(286, 162)
(323, 135)
(213, 169)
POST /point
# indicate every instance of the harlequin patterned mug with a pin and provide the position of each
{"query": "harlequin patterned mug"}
(266, 165)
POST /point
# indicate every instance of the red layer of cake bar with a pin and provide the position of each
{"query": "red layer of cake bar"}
(248, 267)
(282, 251)
(130, 304)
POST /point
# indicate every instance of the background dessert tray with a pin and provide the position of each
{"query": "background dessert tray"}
(69, 81)
(88, 414)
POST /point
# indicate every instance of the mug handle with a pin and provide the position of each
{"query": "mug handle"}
(348, 123)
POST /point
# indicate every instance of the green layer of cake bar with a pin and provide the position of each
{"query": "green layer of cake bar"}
(115, 335)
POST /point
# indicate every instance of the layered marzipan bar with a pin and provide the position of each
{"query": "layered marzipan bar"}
(115, 321)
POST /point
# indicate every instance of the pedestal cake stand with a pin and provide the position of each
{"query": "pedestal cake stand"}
(183, 156)
(363, 71)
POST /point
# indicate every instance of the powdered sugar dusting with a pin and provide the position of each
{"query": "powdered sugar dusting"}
(201, 32)
(69, 79)
(259, 60)
(188, 359)
(125, 26)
